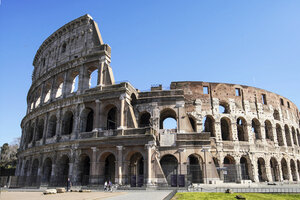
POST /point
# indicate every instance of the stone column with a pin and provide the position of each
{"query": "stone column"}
(289, 170)
(280, 171)
(122, 117)
(149, 166)
(65, 85)
(59, 123)
(255, 170)
(97, 115)
(119, 164)
(45, 128)
(93, 170)
(81, 79)
(100, 74)
(268, 170)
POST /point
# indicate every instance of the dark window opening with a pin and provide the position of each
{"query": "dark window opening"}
(281, 102)
(193, 123)
(64, 47)
(112, 118)
(225, 129)
(264, 99)
(288, 103)
(209, 125)
(68, 123)
(144, 120)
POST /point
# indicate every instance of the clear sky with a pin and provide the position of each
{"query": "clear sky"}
(255, 43)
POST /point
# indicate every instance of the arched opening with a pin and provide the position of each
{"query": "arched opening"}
(136, 170)
(279, 135)
(269, 130)
(298, 136)
(34, 172)
(284, 169)
(109, 170)
(63, 170)
(226, 129)
(38, 98)
(195, 169)
(276, 115)
(144, 119)
(47, 170)
(274, 169)
(59, 90)
(209, 125)
(63, 48)
(29, 132)
(256, 128)
(223, 107)
(168, 119)
(52, 126)
(298, 167)
(74, 87)
(93, 78)
(169, 165)
(293, 170)
(262, 174)
(67, 123)
(294, 136)
(47, 96)
(87, 120)
(26, 169)
(241, 126)
(231, 173)
(287, 136)
(112, 119)
(193, 124)
(84, 169)
(40, 130)
(244, 168)
(133, 99)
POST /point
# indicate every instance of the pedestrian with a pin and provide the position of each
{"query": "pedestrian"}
(110, 185)
(105, 185)
(69, 184)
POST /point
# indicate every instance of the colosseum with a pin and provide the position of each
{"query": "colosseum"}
(81, 124)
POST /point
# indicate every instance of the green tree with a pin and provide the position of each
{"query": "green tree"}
(8, 155)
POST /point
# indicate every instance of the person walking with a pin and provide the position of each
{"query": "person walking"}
(109, 186)
(69, 184)
(105, 185)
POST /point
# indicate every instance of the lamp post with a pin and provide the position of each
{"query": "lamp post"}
(205, 149)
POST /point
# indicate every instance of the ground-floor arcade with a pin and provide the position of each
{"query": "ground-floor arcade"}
(148, 165)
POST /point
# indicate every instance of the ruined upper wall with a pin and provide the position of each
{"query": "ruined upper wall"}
(72, 41)
(246, 98)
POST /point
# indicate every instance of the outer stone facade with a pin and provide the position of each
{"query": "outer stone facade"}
(113, 131)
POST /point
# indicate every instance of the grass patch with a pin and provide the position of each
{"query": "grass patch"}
(224, 196)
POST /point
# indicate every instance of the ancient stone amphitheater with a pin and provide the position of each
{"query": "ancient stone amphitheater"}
(83, 125)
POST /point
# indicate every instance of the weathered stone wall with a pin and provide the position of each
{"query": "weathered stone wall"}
(114, 131)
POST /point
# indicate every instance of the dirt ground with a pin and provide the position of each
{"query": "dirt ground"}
(62, 196)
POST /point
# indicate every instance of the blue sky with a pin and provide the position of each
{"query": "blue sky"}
(255, 43)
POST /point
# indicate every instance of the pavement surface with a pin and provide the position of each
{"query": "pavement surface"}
(127, 195)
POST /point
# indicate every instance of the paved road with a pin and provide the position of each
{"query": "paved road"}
(141, 195)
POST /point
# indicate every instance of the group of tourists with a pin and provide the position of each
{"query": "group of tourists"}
(107, 185)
